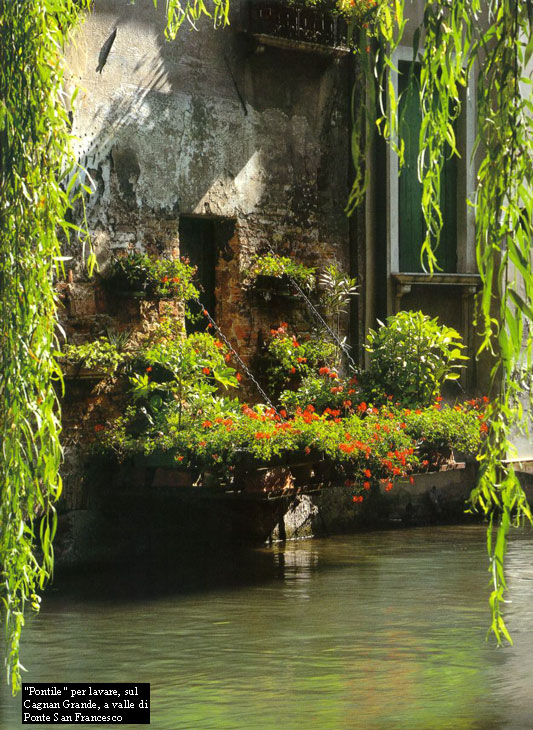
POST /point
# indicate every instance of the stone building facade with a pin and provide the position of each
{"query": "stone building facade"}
(222, 144)
(216, 140)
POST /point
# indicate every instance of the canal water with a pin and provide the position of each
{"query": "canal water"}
(382, 630)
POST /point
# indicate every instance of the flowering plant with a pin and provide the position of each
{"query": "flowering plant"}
(363, 447)
(359, 11)
(289, 358)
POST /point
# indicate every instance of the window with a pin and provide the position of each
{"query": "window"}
(412, 228)
(406, 227)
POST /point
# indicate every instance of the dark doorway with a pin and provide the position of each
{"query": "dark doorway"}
(197, 242)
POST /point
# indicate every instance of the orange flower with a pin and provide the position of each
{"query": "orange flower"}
(292, 370)
(202, 443)
(205, 313)
(333, 375)
(347, 403)
(179, 458)
(362, 407)
(366, 485)
(357, 498)
(411, 480)
(149, 369)
(388, 486)
(206, 371)
(207, 424)
(239, 377)
(367, 473)
(323, 371)
(307, 450)
(218, 344)
(227, 356)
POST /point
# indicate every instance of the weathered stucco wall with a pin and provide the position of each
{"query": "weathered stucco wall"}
(162, 133)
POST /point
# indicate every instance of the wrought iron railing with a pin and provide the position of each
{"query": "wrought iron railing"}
(297, 23)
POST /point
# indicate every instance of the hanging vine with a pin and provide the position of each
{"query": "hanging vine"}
(495, 40)
(34, 161)
(192, 10)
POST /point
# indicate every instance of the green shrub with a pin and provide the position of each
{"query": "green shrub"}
(412, 356)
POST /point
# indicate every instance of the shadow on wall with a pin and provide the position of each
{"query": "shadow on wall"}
(168, 119)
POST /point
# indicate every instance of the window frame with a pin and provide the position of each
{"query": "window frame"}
(466, 260)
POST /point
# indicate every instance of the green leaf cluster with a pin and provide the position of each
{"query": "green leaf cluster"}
(37, 179)
(412, 356)
(271, 264)
(157, 278)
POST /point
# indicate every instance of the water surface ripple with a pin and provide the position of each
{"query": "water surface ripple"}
(382, 630)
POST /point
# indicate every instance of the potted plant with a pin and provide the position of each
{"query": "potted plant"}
(140, 275)
(271, 274)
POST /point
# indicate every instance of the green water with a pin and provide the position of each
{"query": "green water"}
(380, 630)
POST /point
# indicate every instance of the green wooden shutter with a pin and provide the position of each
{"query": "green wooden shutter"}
(411, 221)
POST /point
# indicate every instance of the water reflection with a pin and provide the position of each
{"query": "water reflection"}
(380, 630)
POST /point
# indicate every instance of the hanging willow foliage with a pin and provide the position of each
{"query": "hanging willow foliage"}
(34, 159)
(37, 179)
(192, 10)
(493, 39)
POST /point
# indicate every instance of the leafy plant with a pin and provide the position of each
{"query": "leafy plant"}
(100, 355)
(158, 278)
(412, 356)
(360, 12)
(280, 266)
(38, 175)
(336, 291)
(321, 391)
(180, 368)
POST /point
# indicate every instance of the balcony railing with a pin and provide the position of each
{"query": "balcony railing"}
(297, 24)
